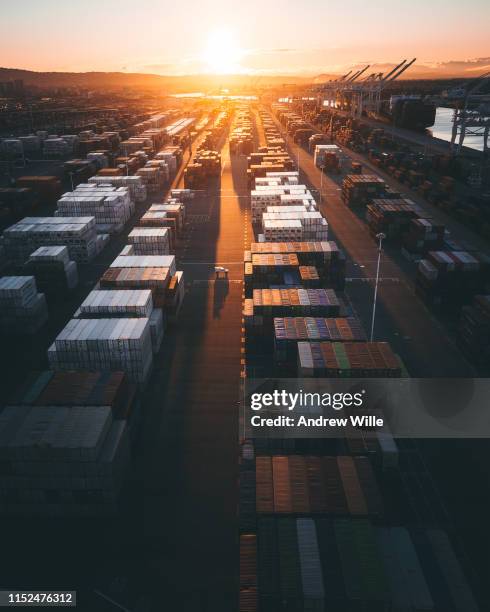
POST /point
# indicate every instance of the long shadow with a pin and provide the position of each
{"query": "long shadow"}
(175, 531)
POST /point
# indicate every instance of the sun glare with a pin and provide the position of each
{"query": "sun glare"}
(222, 53)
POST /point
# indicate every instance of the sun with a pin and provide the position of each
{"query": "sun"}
(222, 53)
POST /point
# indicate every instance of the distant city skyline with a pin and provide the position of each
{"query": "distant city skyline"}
(214, 36)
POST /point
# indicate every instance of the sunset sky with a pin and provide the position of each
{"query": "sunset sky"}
(302, 37)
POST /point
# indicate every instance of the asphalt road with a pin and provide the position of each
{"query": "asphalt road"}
(190, 438)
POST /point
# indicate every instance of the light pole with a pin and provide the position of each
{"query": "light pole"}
(380, 237)
(71, 180)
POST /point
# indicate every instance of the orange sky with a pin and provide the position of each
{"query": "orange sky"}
(307, 37)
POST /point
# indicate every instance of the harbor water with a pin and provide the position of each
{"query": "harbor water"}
(443, 126)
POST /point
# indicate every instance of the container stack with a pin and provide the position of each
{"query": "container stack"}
(22, 309)
(450, 279)
(110, 206)
(474, 330)
(391, 217)
(327, 156)
(100, 159)
(329, 485)
(347, 360)
(248, 573)
(56, 147)
(322, 563)
(173, 209)
(15, 203)
(288, 331)
(266, 160)
(78, 234)
(174, 295)
(309, 277)
(53, 270)
(269, 303)
(359, 189)
(150, 240)
(31, 143)
(154, 278)
(295, 226)
(154, 178)
(79, 170)
(327, 258)
(317, 139)
(264, 196)
(62, 460)
(119, 344)
(134, 303)
(135, 185)
(46, 188)
(172, 156)
(11, 147)
(154, 272)
(423, 235)
(266, 269)
(181, 195)
(206, 164)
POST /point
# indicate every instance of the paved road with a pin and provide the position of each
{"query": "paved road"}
(190, 439)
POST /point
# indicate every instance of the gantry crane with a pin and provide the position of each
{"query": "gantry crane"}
(361, 94)
(366, 94)
(472, 115)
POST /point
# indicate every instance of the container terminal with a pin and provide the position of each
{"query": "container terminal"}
(154, 260)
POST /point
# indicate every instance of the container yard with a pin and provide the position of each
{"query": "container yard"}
(178, 254)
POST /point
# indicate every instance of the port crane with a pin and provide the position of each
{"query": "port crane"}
(361, 95)
(471, 115)
(366, 94)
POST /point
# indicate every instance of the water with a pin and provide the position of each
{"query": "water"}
(201, 95)
(443, 126)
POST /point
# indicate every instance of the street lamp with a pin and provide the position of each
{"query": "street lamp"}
(380, 238)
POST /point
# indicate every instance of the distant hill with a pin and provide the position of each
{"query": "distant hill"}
(119, 80)
(186, 83)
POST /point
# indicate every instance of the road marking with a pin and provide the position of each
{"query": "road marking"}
(209, 281)
(213, 263)
(366, 279)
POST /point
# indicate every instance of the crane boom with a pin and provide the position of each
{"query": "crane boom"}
(391, 72)
(402, 70)
(482, 79)
(359, 73)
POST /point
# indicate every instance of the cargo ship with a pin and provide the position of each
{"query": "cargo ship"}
(410, 111)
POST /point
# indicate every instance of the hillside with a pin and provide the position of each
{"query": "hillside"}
(118, 80)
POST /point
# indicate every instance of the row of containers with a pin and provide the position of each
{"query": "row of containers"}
(66, 434)
(347, 564)
(50, 249)
(452, 277)
(134, 150)
(323, 522)
(437, 177)
(206, 163)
